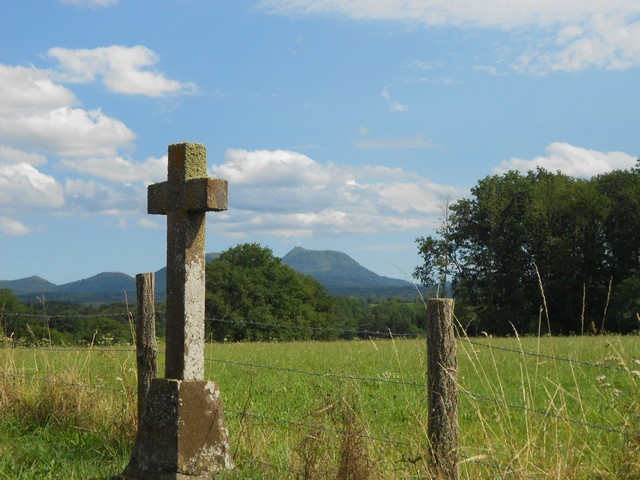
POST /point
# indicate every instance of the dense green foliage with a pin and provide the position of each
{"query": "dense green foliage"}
(247, 284)
(252, 295)
(577, 239)
(62, 322)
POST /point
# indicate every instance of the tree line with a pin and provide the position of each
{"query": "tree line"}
(250, 296)
(541, 252)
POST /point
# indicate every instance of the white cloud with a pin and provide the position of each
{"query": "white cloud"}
(90, 3)
(9, 154)
(587, 33)
(601, 42)
(488, 13)
(146, 223)
(118, 169)
(38, 114)
(271, 168)
(27, 90)
(90, 196)
(24, 188)
(12, 227)
(393, 105)
(121, 69)
(571, 160)
(286, 193)
(67, 132)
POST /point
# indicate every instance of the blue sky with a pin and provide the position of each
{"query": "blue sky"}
(339, 124)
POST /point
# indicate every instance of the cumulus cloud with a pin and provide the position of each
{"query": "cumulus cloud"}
(36, 113)
(9, 154)
(609, 43)
(122, 70)
(27, 90)
(583, 34)
(9, 226)
(91, 196)
(40, 117)
(571, 160)
(67, 132)
(25, 188)
(285, 193)
(118, 169)
(272, 168)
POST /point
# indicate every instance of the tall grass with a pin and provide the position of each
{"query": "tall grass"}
(65, 413)
(71, 414)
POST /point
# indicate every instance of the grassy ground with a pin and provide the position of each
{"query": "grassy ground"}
(521, 416)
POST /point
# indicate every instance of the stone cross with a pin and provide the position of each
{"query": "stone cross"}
(185, 198)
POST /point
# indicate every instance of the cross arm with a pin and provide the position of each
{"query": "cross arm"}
(195, 195)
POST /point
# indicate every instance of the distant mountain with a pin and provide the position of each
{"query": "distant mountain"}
(101, 288)
(28, 285)
(342, 275)
(107, 282)
(338, 272)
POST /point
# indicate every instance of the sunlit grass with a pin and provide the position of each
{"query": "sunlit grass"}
(521, 416)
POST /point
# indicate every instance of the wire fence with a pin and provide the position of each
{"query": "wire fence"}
(543, 413)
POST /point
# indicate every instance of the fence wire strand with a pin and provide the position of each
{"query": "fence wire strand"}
(342, 331)
(545, 356)
(317, 374)
(4, 373)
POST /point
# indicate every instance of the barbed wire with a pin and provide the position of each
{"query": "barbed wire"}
(317, 374)
(364, 333)
(540, 412)
(314, 329)
(4, 373)
(283, 421)
(546, 356)
(102, 349)
(66, 315)
(318, 427)
(421, 385)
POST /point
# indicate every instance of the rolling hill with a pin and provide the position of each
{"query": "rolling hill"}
(342, 275)
(337, 271)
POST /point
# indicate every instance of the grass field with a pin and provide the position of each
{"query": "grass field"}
(69, 413)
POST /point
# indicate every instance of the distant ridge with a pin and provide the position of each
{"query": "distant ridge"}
(28, 285)
(337, 271)
(342, 275)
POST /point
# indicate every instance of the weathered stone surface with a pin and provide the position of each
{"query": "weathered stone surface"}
(185, 198)
(182, 433)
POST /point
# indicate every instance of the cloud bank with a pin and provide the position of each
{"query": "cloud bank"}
(288, 194)
(571, 160)
(579, 34)
(121, 69)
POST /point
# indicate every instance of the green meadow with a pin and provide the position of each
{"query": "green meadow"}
(344, 409)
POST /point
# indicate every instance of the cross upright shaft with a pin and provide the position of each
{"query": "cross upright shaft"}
(185, 198)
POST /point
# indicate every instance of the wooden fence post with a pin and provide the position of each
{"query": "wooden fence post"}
(443, 430)
(146, 347)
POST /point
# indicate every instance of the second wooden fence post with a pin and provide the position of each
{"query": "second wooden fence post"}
(443, 430)
(146, 347)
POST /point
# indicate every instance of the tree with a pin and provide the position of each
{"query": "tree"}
(518, 233)
(248, 289)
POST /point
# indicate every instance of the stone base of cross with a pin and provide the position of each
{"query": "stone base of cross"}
(182, 433)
